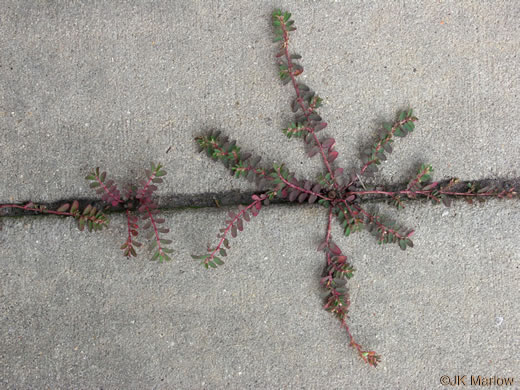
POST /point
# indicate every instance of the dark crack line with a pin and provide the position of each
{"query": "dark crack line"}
(234, 198)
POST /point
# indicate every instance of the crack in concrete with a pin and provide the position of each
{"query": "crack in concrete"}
(234, 198)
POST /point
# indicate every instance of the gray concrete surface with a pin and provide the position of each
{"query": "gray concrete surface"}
(115, 84)
(75, 314)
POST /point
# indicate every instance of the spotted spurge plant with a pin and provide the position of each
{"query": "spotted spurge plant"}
(341, 194)
(136, 201)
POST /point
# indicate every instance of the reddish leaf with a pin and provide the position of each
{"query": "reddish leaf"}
(313, 151)
(293, 195)
(334, 248)
(332, 156)
(322, 246)
(294, 105)
(328, 142)
(320, 126)
(430, 186)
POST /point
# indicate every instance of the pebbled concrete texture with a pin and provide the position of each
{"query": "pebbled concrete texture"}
(75, 314)
(116, 84)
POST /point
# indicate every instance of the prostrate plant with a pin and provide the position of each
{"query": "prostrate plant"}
(135, 198)
(341, 196)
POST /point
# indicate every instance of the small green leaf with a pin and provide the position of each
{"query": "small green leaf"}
(218, 261)
(87, 210)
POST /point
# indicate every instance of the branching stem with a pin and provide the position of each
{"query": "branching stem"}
(92, 218)
(289, 184)
(306, 111)
(156, 232)
(239, 215)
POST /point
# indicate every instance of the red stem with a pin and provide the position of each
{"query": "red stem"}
(228, 227)
(102, 185)
(157, 238)
(329, 226)
(64, 213)
(426, 193)
(129, 239)
(380, 145)
(416, 179)
(299, 98)
(259, 172)
(299, 188)
(379, 224)
(152, 176)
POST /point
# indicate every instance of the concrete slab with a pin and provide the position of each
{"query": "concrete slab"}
(76, 314)
(117, 84)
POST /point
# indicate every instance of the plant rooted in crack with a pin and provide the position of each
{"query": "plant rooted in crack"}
(134, 199)
(342, 195)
